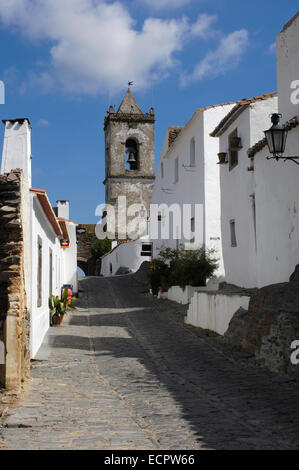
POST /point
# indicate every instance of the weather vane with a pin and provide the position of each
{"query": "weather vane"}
(130, 84)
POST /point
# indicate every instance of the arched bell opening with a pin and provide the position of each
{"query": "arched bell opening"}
(132, 154)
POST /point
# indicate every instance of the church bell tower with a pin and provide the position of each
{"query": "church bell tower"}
(129, 153)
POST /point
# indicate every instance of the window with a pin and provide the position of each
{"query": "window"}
(132, 153)
(234, 147)
(192, 152)
(162, 170)
(233, 237)
(146, 249)
(50, 272)
(39, 272)
(176, 170)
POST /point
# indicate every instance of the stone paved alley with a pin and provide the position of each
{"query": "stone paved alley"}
(124, 372)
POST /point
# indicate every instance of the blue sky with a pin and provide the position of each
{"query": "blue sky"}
(64, 61)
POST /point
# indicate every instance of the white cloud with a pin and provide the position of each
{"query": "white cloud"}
(226, 57)
(160, 4)
(95, 44)
(202, 27)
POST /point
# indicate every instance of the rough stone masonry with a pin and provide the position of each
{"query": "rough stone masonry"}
(14, 316)
(269, 327)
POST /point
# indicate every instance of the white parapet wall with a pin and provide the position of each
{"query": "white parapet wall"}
(125, 255)
(177, 294)
(214, 311)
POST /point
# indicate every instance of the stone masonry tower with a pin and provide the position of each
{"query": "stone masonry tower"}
(129, 153)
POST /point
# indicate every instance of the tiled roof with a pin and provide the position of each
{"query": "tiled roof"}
(215, 106)
(291, 124)
(45, 203)
(62, 223)
(236, 111)
(289, 23)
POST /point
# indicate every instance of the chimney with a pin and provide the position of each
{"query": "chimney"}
(63, 209)
(17, 147)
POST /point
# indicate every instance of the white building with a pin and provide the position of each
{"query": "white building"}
(241, 128)
(276, 182)
(49, 241)
(188, 174)
(259, 197)
(128, 255)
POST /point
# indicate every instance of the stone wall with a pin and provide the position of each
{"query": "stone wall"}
(85, 241)
(14, 315)
(270, 325)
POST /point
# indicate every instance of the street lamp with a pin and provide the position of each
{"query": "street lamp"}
(276, 138)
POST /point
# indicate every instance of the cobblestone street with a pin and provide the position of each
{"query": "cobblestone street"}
(124, 372)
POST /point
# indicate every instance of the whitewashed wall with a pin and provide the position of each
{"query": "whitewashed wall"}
(288, 70)
(277, 195)
(17, 147)
(198, 185)
(277, 188)
(126, 255)
(214, 311)
(179, 295)
(41, 229)
(237, 187)
(70, 258)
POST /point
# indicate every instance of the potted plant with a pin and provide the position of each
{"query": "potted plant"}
(58, 307)
(235, 142)
(222, 158)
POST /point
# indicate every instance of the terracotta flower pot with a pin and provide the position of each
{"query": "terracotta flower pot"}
(56, 320)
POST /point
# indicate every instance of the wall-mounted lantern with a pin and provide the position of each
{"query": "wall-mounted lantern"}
(276, 140)
(64, 243)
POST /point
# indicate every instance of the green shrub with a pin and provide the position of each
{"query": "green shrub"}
(188, 267)
(101, 247)
(158, 274)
